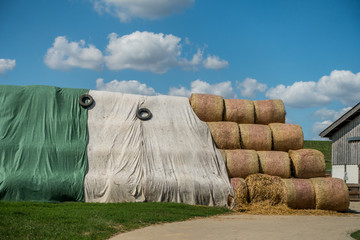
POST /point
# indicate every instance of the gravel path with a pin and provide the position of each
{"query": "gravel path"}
(231, 227)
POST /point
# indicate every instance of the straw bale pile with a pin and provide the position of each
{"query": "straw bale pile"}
(255, 136)
(275, 163)
(209, 108)
(299, 193)
(241, 163)
(331, 194)
(239, 110)
(308, 163)
(269, 111)
(240, 191)
(257, 144)
(225, 134)
(286, 136)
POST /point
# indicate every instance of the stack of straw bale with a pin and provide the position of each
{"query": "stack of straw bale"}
(264, 155)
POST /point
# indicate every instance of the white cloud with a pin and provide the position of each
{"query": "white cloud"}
(132, 87)
(318, 127)
(342, 86)
(214, 62)
(64, 55)
(329, 114)
(249, 87)
(223, 89)
(6, 65)
(126, 10)
(143, 51)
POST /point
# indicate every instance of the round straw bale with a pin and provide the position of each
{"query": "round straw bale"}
(265, 188)
(241, 163)
(269, 111)
(308, 163)
(209, 108)
(255, 136)
(225, 134)
(286, 136)
(299, 193)
(240, 190)
(331, 194)
(239, 110)
(275, 163)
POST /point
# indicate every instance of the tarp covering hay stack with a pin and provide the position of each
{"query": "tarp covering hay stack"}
(287, 173)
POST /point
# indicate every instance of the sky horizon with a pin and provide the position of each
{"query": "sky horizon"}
(303, 52)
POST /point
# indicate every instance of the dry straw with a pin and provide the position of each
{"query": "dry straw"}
(331, 194)
(239, 110)
(269, 111)
(286, 136)
(255, 136)
(265, 188)
(240, 191)
(241, 163)
(299, 193)
(275, 163)
(225, 134)
(209, 108)
(308, 163)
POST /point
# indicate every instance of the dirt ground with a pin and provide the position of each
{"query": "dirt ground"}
(243, 226)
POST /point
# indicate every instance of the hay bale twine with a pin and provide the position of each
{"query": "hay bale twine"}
(307, 163)
(225, 134)
(331, 194)
(255, 136)
(240, 191)
(209, 108)
(299, 193)
(269, 111)
(239, 110)
(241, 163)
(275, 163)
(265, 188)
(286, 136)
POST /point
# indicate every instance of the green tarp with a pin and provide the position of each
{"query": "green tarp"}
(43, 138)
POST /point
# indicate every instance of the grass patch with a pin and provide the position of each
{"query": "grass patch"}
(322, 146)
(30, 220)
(356, 235)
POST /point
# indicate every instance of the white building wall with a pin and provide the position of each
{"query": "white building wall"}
(338, 171)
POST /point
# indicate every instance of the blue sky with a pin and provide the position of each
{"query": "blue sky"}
(306, 53)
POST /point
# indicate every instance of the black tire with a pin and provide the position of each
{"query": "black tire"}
(141, 116)
(86, 100)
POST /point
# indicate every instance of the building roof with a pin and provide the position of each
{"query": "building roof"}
(343, 120)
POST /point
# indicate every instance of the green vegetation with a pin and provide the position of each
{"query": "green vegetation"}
(322, 146)
(356, 235)
(30, 220)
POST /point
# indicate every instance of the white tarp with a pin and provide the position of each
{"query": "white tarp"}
(169, 158)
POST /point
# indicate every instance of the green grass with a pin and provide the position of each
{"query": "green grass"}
(29, 220)
(356, 235)
(322, 146)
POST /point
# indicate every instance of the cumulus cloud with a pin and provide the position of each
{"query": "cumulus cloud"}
(223, 89)
(342, 86)
(318, 127)
(249, 87)
(142, 51)
(214, 62)
(330, 114)
(64, 55)
(126, 10)
(132, 87)
(6, 65)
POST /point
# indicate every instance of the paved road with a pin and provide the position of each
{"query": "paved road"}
(231, 227)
